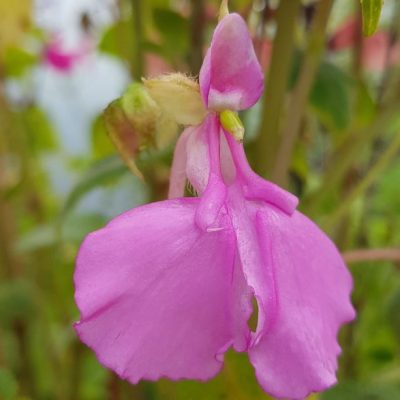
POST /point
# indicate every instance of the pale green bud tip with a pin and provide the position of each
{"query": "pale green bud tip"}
(231, 122)
(223, 10)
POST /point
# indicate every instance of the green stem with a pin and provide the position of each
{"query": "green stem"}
(276, 84)
(298, 102)
(367, 181)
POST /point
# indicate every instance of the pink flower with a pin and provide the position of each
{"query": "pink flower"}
(165, 289)
(62, 60)
(377, 51)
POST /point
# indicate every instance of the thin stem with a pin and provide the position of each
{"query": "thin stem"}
(299, 98)
(372, 175)
(138, 38)
(363, 255)
(388, 73)
(358, 43)
(197, 35)
(276, 85)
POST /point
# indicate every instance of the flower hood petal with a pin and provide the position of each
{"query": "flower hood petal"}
(231, 76)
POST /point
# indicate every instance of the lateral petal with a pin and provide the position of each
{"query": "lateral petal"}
(177, 177)
(156, 295)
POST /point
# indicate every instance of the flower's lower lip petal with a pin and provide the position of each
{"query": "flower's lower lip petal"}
(177, 178)
(298, 353)
(253, 257)
(156, 294)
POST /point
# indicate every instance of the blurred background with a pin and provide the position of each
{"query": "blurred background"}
(327, 128)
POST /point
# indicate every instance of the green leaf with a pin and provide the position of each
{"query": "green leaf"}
(72, 230)
(330, 96)
(174, 30)
(394, 315)
(101, 144)
(76, 227)
(361, 391)
(371, 12)
(364, 109)
(16, 301)
(17, 61)
(387, 196)
(42, 136)
(118, 40)
(40, 237)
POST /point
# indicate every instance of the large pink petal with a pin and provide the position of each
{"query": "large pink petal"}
(159, 297)
(231, 77)
(298, 352)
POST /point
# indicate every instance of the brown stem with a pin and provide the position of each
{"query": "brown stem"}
(138, 33)
(26, 373)
(197, 36)
(363, 255)
(114, 390)
(10, 263)
(358, 43)
(76, 370)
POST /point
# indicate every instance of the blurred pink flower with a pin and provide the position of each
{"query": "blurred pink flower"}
(377, 50)
(61, 59)
(165, 289)
(156, 65)
(264, 47)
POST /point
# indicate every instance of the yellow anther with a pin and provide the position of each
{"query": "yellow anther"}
(231, 122)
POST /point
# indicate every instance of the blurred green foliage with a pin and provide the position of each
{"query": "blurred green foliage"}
(349, 121)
